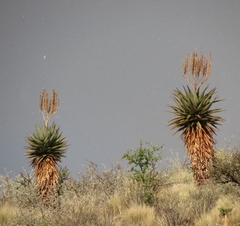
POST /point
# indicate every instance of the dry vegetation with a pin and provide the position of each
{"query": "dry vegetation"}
(112, 197)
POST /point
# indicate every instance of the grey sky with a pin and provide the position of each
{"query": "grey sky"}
(115, 64)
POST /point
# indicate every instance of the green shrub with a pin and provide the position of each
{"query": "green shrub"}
(144, 162)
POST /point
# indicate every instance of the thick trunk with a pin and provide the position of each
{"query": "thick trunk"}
(47, 179)
(199, 145)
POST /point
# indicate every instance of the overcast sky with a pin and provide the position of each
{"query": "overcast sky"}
(114, 64)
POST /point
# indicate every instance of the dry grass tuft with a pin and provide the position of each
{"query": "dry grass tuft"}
(7, 213)
(140, 215)
(116, 204)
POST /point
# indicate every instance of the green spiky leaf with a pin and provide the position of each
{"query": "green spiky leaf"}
(193, 109)
(44, 142)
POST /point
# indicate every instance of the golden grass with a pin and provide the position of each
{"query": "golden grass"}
(140, 215)
(7, 212)
(116, 204)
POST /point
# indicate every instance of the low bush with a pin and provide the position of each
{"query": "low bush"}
(225, 167)
(143, 162)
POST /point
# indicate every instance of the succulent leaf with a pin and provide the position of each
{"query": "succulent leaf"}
(45, 142)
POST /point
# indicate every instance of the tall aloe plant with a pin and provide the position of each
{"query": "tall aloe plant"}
(194, 116)
(45, 148)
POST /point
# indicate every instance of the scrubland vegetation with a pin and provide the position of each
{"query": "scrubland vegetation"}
(203, 190)
(114, 197)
